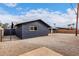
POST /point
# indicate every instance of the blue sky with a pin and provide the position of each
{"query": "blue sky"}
(59, 13)
(62, 7)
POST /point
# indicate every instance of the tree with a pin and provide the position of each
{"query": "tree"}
(5, 26)
(69, 25)
(54, 24)
(1, 24)
(73, 25)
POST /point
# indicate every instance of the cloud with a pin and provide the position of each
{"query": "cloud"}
(9, 18)
(61, 19)
(50, 17)
(11, 4)
(6, 17)
(22, 9)
(19, 8)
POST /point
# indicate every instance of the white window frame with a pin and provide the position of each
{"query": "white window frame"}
(33, 28)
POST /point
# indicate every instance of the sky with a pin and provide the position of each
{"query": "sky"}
(60, 13)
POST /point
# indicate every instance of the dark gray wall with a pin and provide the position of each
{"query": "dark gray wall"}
(8, 32)
(19, 31)
(42, 30)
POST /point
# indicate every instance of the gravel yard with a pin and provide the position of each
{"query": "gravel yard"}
(65, 44)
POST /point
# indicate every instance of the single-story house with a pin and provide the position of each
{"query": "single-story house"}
(31, 29)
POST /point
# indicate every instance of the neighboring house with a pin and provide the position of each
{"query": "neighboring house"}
(32, 29)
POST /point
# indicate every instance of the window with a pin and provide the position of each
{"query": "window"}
(33, 28)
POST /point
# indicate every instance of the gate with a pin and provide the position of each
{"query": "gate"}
(9, 32)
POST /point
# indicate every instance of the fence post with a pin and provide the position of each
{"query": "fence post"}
(0, 35)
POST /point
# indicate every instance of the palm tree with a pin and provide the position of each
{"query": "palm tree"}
(11, 32)
(69, 25)
(54, 24)
(54, 29)
(73, 25)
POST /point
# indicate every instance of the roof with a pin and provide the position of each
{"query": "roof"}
(33, 21)
(43, 51)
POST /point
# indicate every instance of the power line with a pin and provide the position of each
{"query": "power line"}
(76, 18)
(73, 8)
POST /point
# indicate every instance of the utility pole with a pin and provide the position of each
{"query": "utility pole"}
(77, 19)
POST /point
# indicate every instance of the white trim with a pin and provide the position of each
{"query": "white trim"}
(33, 28)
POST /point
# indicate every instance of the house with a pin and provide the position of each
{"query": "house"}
(32, 29)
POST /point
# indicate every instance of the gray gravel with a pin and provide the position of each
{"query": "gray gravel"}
(65, 44)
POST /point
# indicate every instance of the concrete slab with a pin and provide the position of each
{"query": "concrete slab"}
(43, 51)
